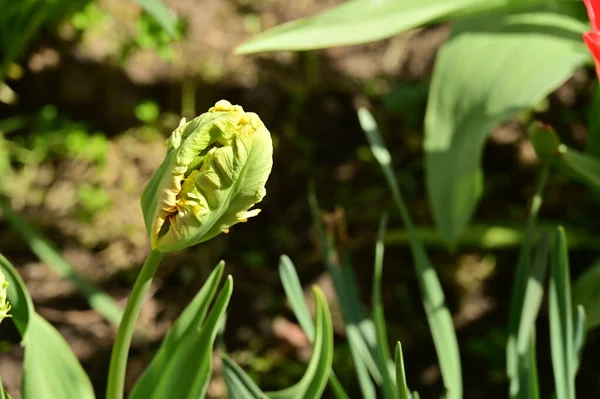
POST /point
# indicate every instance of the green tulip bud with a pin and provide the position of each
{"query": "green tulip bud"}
(214, 171)
(4, 305)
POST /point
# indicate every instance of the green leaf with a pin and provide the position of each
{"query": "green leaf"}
(593, 141)
(438, 315)
(514, 59)
(98, 300)
(293, 290)
(239, 384)
(579, 336)
(360, 330)
(180, 366)
(521, 365)
(315, 378)
(493, 236)
(21, 305)
(50, 368)
(382, 355)
(354, 22)
(582, 167)
(402, 388)
(587, 294)
(161, 14)
(3, 394)
(561, 320)
(534, 292)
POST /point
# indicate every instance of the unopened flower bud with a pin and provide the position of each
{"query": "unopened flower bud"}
(214, 171)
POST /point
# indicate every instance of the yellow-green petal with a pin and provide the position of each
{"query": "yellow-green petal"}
(4, 305)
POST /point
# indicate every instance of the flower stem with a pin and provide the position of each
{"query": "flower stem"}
(118, 360)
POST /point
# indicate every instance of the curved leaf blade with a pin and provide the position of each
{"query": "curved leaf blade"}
(50, 368)
(515, 59)
(184, 338)
(317, 373)
(354, 22)
(98, 300)
(239, 384)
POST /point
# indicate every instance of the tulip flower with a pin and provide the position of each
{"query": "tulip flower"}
(592, 38)
(4, 305)
(214, 171)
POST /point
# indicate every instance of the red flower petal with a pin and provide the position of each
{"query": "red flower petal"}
(592, 41)
(593, 9)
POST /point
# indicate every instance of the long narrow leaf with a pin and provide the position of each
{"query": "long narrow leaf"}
(580, 166)
(579, 336)
(293, 290)
(531, 376)
(316, 376)
(561, 320)
(239, 384)
(438, 315)
(359, 329)
(383, 354)
(533, 294)
(518, 366)
(101, 302)
(402, 388)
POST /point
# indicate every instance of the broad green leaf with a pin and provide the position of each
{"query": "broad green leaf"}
(364, 21)
(239, 384)
(382, 357)
(316, 376)
(561, 320)
(438, 315)
(491, 68)
(534, 292)
(402, 388)
(293, 290)
(21, 305)
(353, 22)
(160, 13)
(50, 368)
(98, 300)
(587, 294)
(184, 336)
